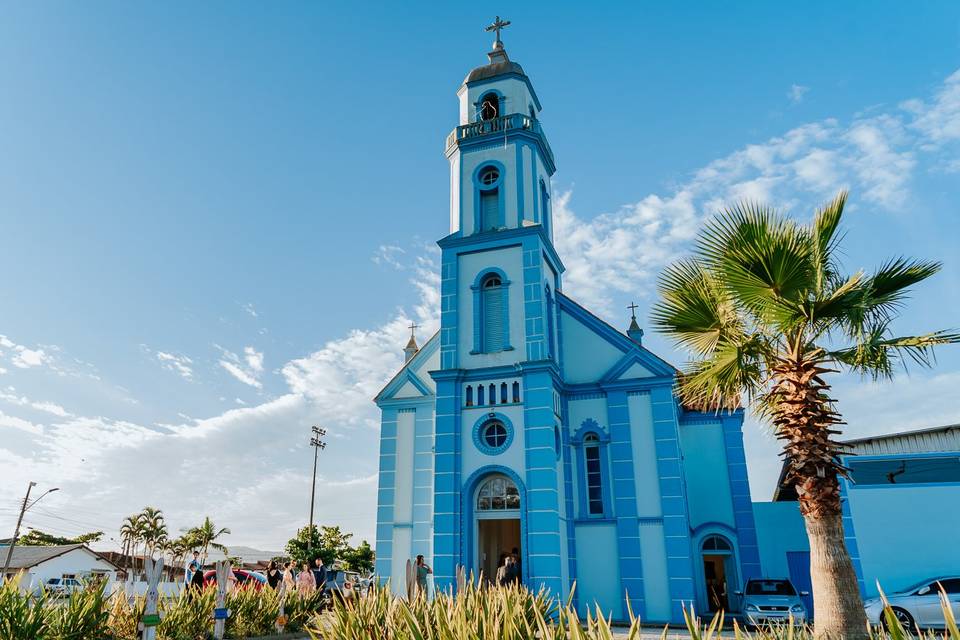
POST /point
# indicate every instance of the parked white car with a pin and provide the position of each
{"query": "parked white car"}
(769, 601)
(918, 606)
(63, 586)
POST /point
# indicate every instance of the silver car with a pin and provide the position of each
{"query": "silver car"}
(918, 606)
(769, 601)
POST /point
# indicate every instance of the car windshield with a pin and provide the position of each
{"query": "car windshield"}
(770, 588)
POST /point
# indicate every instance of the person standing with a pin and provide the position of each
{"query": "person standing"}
(192, 566)
(288, 580)
(319, 573)
(506, 574)
(305, 581)
(196, 584)
(273, 575)
(502, 569)
(423, 570)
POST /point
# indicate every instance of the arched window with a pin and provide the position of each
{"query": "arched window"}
(469, 396)
(488, 181)
(493, 309)
(489, 107)
(499, 493)
(516, 392)
(591, 454)
(716, 543)
(480, 389)
(504, 398)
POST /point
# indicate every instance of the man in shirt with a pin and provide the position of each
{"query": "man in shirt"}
(192, 566)
(319, 572)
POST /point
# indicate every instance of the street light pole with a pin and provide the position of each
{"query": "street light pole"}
(16, 532)
(317, 444)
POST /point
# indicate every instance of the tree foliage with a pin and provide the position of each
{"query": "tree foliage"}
(331, 544)
(38, 538)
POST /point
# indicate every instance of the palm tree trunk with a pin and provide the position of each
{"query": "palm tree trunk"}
(836, 594)
(805, 420)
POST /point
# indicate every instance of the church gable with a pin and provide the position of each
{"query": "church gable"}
(413, 380)
(593, 351)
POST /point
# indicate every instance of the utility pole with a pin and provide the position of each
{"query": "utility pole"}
(317, 444)
(16, 532)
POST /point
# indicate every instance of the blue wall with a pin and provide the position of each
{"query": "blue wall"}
(780, 529)
(906, 533)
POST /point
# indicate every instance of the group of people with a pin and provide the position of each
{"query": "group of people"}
(309, 578)
(508, 568)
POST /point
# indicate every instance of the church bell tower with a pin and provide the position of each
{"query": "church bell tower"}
(501, 227)
(497, 416)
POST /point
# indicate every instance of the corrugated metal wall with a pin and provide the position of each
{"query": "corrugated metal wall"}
(947, 439)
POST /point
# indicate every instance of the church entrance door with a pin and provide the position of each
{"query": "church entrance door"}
(497, 531)
(719, 573)
(495, 540)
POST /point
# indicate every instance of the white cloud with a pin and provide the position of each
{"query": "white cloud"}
(22, 401)
(254, 359)
(246, 369)
(240, 374)
(389, 255)
(179, 364)
(251, 311)
(796, 93)
(23, 357)
(13, 422)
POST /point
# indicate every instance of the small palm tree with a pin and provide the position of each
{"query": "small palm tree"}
(153, 529)
(129, 530)
(767, 313)
(206, 536)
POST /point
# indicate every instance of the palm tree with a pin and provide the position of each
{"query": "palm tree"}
(206, 535)
(767, 313)
(128, 534)
(154, 529)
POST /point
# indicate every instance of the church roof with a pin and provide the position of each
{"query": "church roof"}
(494, 69)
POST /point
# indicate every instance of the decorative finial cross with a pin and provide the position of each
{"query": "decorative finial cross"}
(498, 25)
(413, 328)
(633, 310)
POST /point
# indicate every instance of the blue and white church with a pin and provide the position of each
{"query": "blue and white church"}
(529, 423)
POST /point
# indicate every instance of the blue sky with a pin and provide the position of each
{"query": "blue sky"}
(217, 219)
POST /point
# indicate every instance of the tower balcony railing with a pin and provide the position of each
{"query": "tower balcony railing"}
(501, 125)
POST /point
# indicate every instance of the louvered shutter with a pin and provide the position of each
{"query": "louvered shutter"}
(489, 210)
(493, 319)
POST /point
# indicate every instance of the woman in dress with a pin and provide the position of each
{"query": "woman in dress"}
(273, 575)
(423, 570)
(288, 580)
(305, 582)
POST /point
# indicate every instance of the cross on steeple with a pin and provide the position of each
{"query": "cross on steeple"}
(634, 331)
(411, 349)
(498, 25)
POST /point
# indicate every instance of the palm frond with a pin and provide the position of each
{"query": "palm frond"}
(825, 239)
(764, 259)
(731, 371)
(694, 309)
(877, 355)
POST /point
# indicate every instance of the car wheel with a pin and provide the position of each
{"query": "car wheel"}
(904, 618)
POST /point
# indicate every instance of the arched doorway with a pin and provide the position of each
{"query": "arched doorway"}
(496, 509)
(719, 573)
